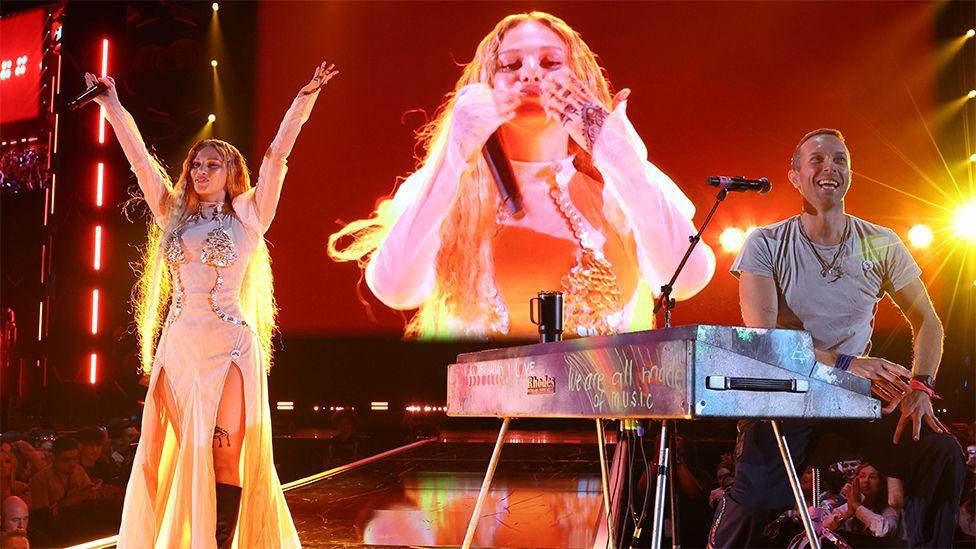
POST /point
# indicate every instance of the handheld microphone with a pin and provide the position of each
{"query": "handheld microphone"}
(501, 171)
(739, 183)
(87, 96)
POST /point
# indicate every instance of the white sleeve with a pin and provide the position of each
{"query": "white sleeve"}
(653, 208)
(401, 273)
(153, 183)
(879, 525)
(257, 207)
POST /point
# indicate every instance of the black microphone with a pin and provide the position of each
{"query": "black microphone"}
(501, 170)
(87, 96)
(741, 184)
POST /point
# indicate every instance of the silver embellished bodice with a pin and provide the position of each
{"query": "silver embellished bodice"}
(205, 262)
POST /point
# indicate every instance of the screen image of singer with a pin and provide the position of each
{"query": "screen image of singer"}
(21, 37)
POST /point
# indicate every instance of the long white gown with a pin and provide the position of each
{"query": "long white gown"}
(170, 498)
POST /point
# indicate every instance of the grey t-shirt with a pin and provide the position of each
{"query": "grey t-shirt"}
(837, 311)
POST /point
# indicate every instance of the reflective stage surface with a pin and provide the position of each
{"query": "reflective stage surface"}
(545, 493)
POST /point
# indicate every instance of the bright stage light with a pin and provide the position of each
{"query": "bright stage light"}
(97, 262)
(212, 117)
(970, 33)
(94, 312)
(971, 94)
(920, 236)
(732, 239)
(215, 6)
(213, 63)
(972, 157)
(965, 221)
(100, 184)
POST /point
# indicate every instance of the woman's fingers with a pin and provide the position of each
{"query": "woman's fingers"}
(506, 102)
(621, 96)
(575, 88)
(560, 101)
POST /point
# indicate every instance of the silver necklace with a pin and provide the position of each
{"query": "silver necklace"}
(832, 268)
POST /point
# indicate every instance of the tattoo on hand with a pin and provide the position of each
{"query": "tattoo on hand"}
(220, 435)
(593, 118)
(567, 113)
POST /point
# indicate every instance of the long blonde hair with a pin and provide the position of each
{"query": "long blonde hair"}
(151, 294)
(461, 302)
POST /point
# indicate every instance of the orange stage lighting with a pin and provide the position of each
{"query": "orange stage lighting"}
(732, 239)
(920, 236)
(965, 221)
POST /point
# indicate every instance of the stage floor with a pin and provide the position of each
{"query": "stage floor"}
(545, 493)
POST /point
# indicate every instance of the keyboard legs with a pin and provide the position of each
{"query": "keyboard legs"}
(801, 505)
(483, 494)
(601, 441)
(663, 461)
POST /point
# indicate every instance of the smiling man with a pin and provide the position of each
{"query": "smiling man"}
(825, 271)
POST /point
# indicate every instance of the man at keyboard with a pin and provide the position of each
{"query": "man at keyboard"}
(824, 271)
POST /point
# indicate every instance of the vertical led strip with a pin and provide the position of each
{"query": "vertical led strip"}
(97, 262)
(97, 244)
(101, 110)
(100, 184)
(40, 320)
(94, 312)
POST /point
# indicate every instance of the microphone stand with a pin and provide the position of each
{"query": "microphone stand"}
(669, 437)
(665, 301)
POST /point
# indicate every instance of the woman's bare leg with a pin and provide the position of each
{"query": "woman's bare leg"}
(228, 437)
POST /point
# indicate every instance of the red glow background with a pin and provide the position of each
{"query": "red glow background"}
(21, 35)
(718, 88)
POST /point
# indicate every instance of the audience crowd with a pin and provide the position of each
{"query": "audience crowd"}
(63, 488)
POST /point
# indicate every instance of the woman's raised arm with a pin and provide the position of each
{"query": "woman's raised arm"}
(271, 175)
(152, 179)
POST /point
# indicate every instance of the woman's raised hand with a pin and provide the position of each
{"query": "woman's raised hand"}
(567, 100)
(479, 110)
(108, 97)
(323, 73)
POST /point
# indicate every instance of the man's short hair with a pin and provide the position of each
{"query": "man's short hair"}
(91, 435)
(115, 428)
(63, 444)
(795, 164)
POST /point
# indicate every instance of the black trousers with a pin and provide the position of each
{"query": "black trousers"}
(932, 470)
